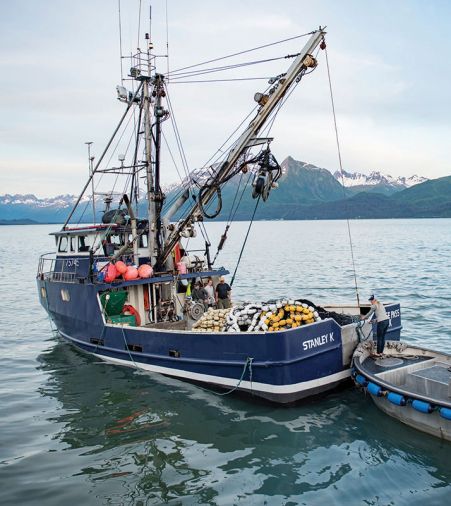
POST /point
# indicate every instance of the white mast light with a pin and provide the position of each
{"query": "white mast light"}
(122, 93)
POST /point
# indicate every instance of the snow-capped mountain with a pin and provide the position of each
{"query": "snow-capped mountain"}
(60, 201)
(302, 182)
(376, 178)
(50, 209)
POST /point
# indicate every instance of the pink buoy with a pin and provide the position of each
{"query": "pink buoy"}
(111, 273)
(181, 267)
(121, 267)
(145, 271)
(131, 273)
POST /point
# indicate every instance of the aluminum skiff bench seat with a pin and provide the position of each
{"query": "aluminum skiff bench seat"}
(434, 381)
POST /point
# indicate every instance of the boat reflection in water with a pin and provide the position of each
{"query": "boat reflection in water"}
(140, 438)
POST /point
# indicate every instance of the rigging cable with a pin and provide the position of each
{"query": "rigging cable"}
(342, 177)
(245, 51)
(231, 217)
(245, 240)
(211, 70)
(235, 196)
(243, 191)
(172, 156)
(220, 151)
(74, 207)
(117, 174)
(222, 80)
(266, 130)
(215, 183)
(134, 187)
(177, 137)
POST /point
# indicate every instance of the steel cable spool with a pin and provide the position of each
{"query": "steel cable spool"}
(196, 311)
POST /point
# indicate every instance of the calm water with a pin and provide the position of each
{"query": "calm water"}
(75, 431)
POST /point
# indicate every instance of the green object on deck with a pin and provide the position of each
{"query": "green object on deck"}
(113, 302)
(123, 319)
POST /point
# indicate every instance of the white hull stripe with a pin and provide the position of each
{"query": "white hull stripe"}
(227, 382)
(230, 382)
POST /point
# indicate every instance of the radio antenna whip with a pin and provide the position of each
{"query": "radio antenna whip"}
(167, 39)
(120, 41)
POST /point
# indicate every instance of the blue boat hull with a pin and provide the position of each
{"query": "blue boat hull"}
(282, 366)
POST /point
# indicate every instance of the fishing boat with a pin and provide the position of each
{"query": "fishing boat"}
(120, 289)
(409, 383)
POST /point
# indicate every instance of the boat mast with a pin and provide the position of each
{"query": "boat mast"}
(148, 160)
(159, 113)
(303, 61)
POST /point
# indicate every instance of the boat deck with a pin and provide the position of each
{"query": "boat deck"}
(179, 325)
(433, 381)
(379, 365)
(425, 376)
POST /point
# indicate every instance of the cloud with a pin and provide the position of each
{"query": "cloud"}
(60, 67)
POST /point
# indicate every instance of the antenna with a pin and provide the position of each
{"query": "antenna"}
(91, 174)
(139, 22)
(149, 44)
(120, 41)
(150, 21)
(167, 39)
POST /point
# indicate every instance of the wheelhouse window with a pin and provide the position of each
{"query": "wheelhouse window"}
(84, 243)
(143, 241)
(117, 240)
(72, 244)
(63, 245)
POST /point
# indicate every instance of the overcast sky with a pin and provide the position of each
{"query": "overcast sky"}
(390, 64)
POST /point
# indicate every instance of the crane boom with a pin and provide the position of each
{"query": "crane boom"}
(268, 104)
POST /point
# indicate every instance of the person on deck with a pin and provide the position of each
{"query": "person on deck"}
(199, 294)
(223, 293)
(209, 288)
(378, 309)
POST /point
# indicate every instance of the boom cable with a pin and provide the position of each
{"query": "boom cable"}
(342, 178)
(193, 73)
(244, 52)
(245, 240)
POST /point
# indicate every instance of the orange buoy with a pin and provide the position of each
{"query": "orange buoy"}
(131, 273)
(145, 271)
(111, 273)
(121, 267)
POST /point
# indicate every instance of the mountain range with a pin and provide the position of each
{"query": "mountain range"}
(377, 182)
(305, 192)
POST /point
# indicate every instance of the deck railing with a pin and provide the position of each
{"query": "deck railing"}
(76, 269)
(68, 270)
